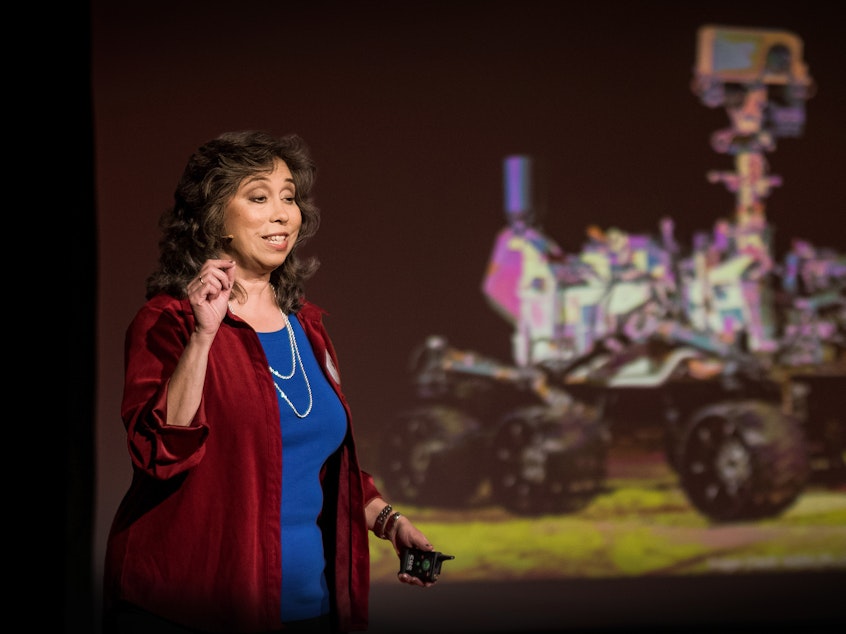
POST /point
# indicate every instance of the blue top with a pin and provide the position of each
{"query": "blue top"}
(307, 441)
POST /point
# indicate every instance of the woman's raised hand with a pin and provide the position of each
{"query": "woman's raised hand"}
(209, 294)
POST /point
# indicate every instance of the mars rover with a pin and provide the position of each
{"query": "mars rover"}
(734, 359)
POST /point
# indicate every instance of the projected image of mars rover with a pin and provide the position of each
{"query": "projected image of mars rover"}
(736, 358)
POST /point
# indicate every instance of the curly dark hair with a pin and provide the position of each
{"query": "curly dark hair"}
(192, 229)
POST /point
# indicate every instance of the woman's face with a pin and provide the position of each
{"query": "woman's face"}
(263, 220)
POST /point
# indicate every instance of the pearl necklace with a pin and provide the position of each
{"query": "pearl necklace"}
(295, 360)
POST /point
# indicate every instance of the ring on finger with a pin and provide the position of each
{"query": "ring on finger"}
(201, 280)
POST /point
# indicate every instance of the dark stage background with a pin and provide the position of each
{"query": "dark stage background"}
(409, 108)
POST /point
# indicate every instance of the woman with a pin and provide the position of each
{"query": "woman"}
(248, 510)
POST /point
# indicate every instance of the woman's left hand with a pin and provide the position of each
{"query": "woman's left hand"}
(407, 535)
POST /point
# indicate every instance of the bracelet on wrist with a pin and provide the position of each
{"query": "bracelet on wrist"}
(379, 524)
(390, 524)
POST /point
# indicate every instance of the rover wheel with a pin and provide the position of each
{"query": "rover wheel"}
(545, 463)
(743, 460)
(427, 457)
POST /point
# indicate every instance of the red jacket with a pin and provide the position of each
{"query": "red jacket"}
(196, 539)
